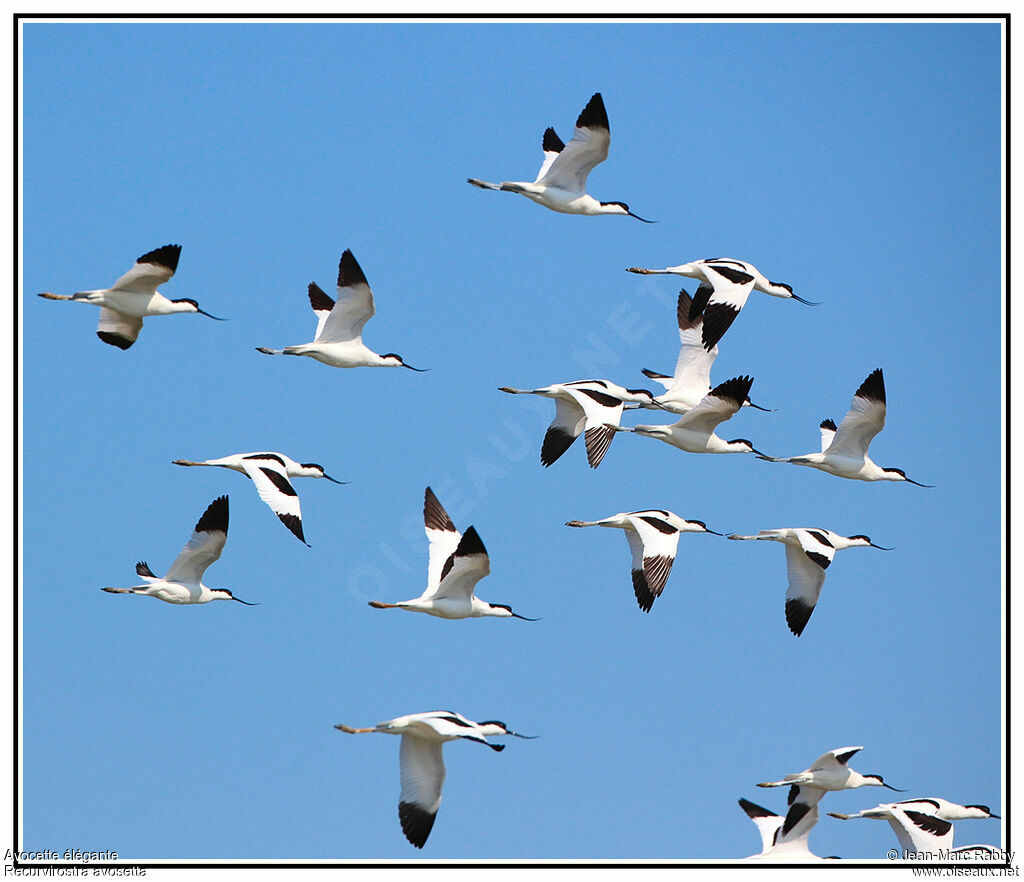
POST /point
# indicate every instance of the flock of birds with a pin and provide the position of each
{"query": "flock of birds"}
(594, 408)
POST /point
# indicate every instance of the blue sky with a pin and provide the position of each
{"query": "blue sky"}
(857, 162)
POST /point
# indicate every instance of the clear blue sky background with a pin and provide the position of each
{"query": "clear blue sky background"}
(857, 162)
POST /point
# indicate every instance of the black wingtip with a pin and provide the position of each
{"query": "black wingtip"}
(737, 389)
(349, 271)
(115, 339)
(797, 615)
(593, 116)
(552, 143)
(166, 256)
(294, 524)
(470, 543)
(318, 299)
(215, 517)
(416, 823)
(754, 810)
(873, 388)
(434, 515)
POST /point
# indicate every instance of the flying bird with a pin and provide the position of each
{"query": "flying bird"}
(653, 537)
(844, 450)
(809, 551)
(691, 380)
(724, 287)
(562, 181)
(270, 472)
(183, 582)
(133, 297)
(421, 762)
(922, 825)
(456, 563)
(695, 429)
(593, 407)
(828, 772)
(339, 329)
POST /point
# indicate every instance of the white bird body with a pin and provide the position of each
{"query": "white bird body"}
(183, 583)
(691, 381)
(134, 296)
(725, 285)
(809, 551)
(653, 537)
(775, 846)
(339, 331)
(844, 450)
(421, 761)
(695, 430)
(591, 407)
(562, 181)
(269, 472)
(457, 562)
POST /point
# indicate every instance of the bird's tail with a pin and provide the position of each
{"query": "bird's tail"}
(483, 185)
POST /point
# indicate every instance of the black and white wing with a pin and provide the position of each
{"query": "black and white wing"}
(838, 758)
(864, 419)
(602, 411)
(692, 377)
(442, 536)
(919, 831)
(552, 145)
(588, 147)
(653, 542)
(718, 405)
(564, 429)
(118, 329)
(828, 432)
(270, 476)
(322, 304)
(421, 770)
(767, 822)
(466, 566)
(354, 306)
(806, 567)
(204, 546)
(150, 271)
(731, 284)
(801, 815)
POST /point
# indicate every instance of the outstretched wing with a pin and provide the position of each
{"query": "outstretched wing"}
(204, 546)
(442, 536)
(421, 771)
(467, 565)
(354, 307)
(920, 831)
(552, 145)
(151, 270)
(730, 288)
(653, 542)
(602, 411)
(864, 419)
(588, 147)
(322, 305)
(564, 429)
(718, 405)
(271, 480)
(117, 329)
(692, 377)
(806, 567)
